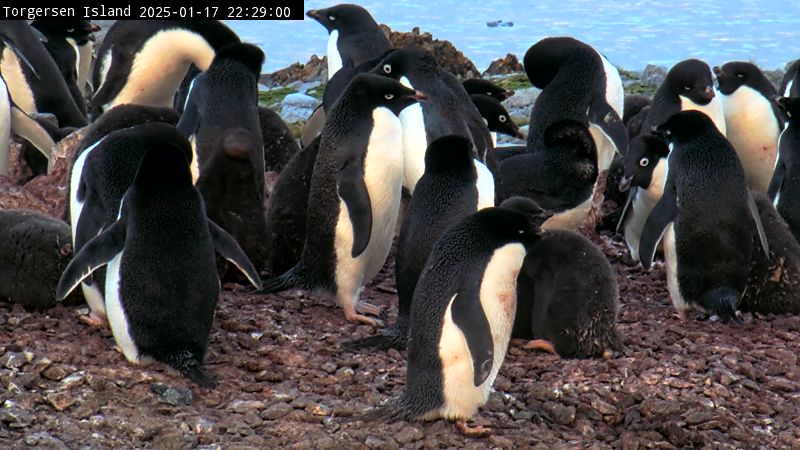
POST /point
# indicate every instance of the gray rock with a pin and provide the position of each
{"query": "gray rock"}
(521, 103)
(276, 411)
(58, 372)
(245, 406)
(15, 417)
(296, 107)
(172, 396)
(653, 75)
(15, 360)
(45, 441)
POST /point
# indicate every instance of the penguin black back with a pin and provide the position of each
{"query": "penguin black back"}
(784, 187)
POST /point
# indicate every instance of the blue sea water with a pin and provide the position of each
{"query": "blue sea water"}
(631, 34)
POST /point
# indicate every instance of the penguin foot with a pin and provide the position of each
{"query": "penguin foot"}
(94, 320)
(474, 430)
(356, 317)
(541, 344)
(368, 308)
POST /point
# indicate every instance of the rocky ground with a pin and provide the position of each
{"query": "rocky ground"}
(285, 381)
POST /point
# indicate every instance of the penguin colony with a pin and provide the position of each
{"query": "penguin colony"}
(489, 247)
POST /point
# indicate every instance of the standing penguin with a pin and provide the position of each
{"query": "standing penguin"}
(462, 316)
(34, 81)
(774, 280)
(496, 117)
(575, 130)
(784, 189)
(354, 36)
(70, 43)
(447, 111)
(222, 121)
(567, 295)
(475, 86)
(645, 174)
(453, 186)
(144, 62)
(162, 285)
(689, 85)
(790, 85)
(702, 217)
(355, 194)
(752, 119)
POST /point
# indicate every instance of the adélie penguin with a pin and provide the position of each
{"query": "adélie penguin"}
(784, 188)
(354, 198)
(162, 285)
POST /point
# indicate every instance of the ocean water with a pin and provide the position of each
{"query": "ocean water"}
(631, 34)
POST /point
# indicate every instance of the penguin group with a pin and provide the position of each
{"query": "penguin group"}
(166, 187)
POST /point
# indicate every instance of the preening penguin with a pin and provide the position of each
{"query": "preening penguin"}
(462, 316)
(752, 119)
(567, 295)
(784, 188)
(144, 62)
(162, 285)
(453, 186)
(702, 216)
(355, 194)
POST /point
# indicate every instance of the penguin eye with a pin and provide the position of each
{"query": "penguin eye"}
(668, 132)
(388, 96)
(521, 231)
(686, 87)
(332, 18)
(740, 75)
(644, 162)
(503, 119)
(387, 68)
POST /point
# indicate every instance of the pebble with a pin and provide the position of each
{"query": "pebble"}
(60, 400)
(172, 396)
(57, 372)
(245, 406)
(45, 441)
(407, 435)
(318, 409)
(501, 441)
(15, 417)
(15, 360)
(276, 411)
(563, 415)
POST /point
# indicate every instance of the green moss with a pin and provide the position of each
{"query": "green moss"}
(520, 121)
(640, 88)
(513, 82)
(627, 74)
(296, 128)
(316, 92)
(273, 96)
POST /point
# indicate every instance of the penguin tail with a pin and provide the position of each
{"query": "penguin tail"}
(721, 301)
(394, 337)
(293, 277)
(189, 365)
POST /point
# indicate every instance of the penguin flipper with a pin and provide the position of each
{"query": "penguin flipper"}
(25, 127)
(604, 117)
(657, 222)
(762, 236)
(469, 316)
(226, 245)
(631, 197)
(776, 183)
(96, 253)
(190, 117)
(111, 86)
(353, 191)
(90, 221)
(21, 56)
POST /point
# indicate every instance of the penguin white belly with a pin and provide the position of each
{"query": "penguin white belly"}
(117, 318)
(383, 176)
(498, 297)
(605, 147)
(713, 110)
(160, 65)
(615, 95)
(570, 219)
(84, 64)
(18, 87)
(641, 207)
(787, 92)
(494, 138)
(194, 166)
(5, 127)
(105, 66)
(485, 185)
(91, 292)
(415, 142)
(334, 58)
(74, 46)
(671, 261)
(753, 131)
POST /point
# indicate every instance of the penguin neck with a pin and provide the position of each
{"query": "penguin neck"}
(334, 58)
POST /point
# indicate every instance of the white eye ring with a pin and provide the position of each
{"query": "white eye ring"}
(331, 18)
(521, 231)
(687, 88)
(503, 119)
(388, 96)
(644, 162)
(668, 132)
(387, 68)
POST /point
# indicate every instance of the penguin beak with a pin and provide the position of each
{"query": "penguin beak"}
(625, 183)
(717, 70)
(419, 96)
(708, 93)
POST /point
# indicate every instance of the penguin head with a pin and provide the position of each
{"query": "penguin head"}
(479, 86)
(692, 79)
(376, 91)
(248, 54)
(165, 166)
(344, 18)
(509, 225)
(643, 155)
(496, 116)
(404, 61)
(732, 75)
(790, 106)
(79, 30)
(451, 153)
(530, 208)
(684, 126)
